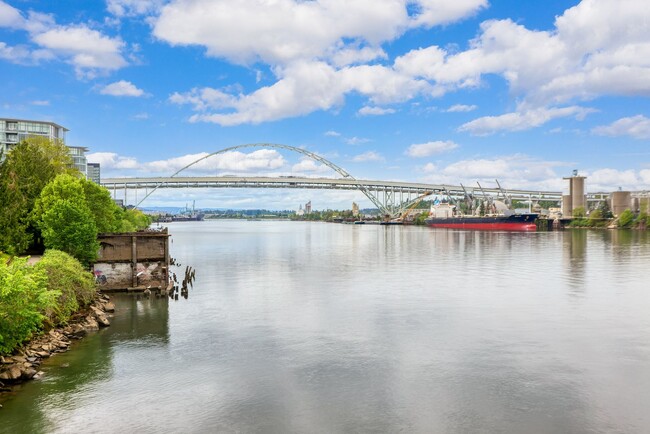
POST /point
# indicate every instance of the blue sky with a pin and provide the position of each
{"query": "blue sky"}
(414, 90)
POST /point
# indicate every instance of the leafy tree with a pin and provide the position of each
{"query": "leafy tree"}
(604, 209)
(69, 226)
(625, 219)
(579, 212)
(28, 168)
(105, 212)
(65, 220)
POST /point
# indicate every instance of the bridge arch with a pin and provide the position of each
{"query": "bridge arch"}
(383, 207)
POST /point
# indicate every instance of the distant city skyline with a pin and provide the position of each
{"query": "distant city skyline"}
(411, 90)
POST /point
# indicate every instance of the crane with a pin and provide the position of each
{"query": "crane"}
(412, 206)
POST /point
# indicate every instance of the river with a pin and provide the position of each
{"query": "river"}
(298, 327)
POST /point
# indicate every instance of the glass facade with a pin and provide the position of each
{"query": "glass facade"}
(94, 173)
(14, 131)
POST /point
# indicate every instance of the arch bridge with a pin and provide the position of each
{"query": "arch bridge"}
(390, 197)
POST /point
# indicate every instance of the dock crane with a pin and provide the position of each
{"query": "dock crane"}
(412, 206)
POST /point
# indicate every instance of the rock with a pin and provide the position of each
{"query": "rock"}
(28, 373)
(43, 354)
(91, 324)
(77, 330)
(103, 321)
(11, 374)
(39, 375)
(96, 311)
(109, 307)
(19, 359)
(32, 359)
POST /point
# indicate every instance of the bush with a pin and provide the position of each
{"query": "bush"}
(66, 276)
(70, 227)
(24, 297)
(625, 219)
(642, 221)
(579, 212)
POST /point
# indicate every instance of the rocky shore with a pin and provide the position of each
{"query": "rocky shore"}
(24, 363)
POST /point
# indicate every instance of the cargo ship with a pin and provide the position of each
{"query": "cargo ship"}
(444, 215)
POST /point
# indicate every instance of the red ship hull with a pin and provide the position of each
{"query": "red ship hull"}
(519, 222)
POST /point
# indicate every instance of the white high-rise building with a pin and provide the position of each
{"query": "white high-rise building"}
(14, 131)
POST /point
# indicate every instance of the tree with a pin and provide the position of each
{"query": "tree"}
(65, 220)
(579, 212)
(604, 209)
(28, 168)
(625, 219)
(105, 212)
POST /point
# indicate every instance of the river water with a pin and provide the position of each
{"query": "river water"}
(325, 328)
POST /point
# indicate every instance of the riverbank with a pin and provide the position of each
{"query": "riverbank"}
(24, 362)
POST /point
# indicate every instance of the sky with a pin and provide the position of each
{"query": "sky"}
(432, 91)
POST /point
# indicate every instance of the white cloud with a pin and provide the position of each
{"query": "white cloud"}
(637, 127)
(304, 87)
(10, 17)
(611, 179)
(259, 160)
(356, 140)
(122, 88)
(40, 102)
(141, 116)
(367, 156)
(461, 108)
(283, 31)
(375, 111)
(131, 8)
(519, 121)
(309, 166)
(87, 49)
(512, 171)
(430, 148)
(429, 167)
(111, 160)
(332, 133)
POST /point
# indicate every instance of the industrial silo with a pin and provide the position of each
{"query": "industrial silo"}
(621, 200)
(566, 206)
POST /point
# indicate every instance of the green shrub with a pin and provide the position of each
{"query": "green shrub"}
(579, 212)
(642, 221)
(625, 219)
(66, 276)
(69, 226)
(24, 297)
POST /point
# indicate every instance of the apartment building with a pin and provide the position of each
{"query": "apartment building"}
(14, 131)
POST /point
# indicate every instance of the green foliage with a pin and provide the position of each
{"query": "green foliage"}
(24, 297)
(419, 220)
(69, 226)
(604, 209)
(642, 221)
(65, 220)
(66, 276)
(29, 166)
(579, 212)
(626, 219)
(105, 212)
(135, 220)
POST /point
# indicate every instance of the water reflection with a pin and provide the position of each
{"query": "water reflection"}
(75, 379)
(311, 327)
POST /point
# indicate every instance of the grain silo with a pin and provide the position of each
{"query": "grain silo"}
(621, 200)
(576, 197)
(566, 206)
